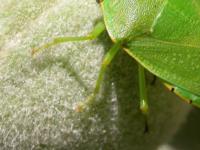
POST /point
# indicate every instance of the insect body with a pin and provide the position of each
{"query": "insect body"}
(162, 35)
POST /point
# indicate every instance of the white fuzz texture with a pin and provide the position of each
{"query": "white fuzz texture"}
(38, 96)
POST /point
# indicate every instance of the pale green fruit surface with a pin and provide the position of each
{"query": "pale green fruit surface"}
(38, 95)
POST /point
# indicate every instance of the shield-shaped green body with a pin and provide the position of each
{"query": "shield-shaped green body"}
(162, 35)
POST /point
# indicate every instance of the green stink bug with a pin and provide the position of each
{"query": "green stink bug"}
(162, 35)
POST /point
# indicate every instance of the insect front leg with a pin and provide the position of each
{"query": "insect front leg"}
(98, 29)
(106, 61)
(143, 96)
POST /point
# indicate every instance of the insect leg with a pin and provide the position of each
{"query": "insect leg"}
(143, 95)
(106, 61)
(98, 29)
(143, 92)
(153, 82)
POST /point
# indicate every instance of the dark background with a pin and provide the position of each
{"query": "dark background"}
(188, 137)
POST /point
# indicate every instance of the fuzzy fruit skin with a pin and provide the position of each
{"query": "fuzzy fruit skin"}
(38, 95)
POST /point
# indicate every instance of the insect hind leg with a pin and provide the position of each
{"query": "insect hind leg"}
(143, 96)
(153, 82)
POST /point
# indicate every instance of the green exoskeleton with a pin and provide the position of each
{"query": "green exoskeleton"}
(163, 36)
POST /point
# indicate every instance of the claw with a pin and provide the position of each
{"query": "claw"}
(86, 104)
(79, 108)
(33, 51)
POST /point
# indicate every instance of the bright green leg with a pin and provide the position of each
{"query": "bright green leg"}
(106, 61)
(143, 96)
(143, 92)
(98, 29)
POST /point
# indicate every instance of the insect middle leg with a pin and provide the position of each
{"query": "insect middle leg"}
(98, 29)
(106, 61)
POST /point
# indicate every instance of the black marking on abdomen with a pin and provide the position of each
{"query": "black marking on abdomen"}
(172, 89)
(190, 101)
